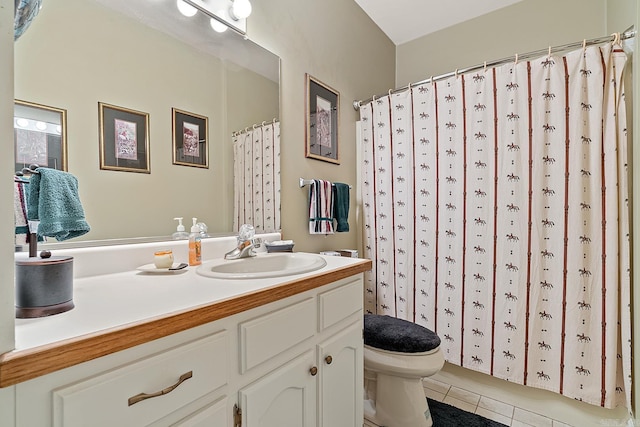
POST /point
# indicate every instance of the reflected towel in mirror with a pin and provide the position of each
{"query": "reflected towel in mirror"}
(52, 199)
(20, 213)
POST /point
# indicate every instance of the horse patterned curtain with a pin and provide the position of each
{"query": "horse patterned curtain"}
(256, 172)
(496, 213)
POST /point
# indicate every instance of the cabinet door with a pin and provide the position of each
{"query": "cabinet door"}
(341, 378)
(285, 397)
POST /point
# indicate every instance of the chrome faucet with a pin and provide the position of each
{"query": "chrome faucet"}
(246, 244)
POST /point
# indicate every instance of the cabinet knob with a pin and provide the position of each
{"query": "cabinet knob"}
(313, 371)
(328, 359)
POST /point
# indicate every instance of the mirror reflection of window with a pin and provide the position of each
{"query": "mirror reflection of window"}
(40, 136)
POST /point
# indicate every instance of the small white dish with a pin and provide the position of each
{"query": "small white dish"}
(151, 268)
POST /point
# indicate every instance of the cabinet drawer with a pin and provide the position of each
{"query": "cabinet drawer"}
(340, 303)
(106, 400)
(214, 415)
(266, 336)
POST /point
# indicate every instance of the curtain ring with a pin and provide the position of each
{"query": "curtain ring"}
(616, 38)
(274, 119)
(516, 61)
(390, 92)
(264, 123)
(431, 79)
(584, 44)
(373, 98)
(485, 66)
(549, 53)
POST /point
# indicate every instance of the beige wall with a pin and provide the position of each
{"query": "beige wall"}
(335, 42)
(74, 63)
(523, 27)
(621, 14)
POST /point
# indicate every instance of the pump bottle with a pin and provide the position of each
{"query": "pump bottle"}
(195, 244)
(180, 233)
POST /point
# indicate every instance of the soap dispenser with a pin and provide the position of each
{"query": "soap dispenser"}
(195, 247)
(180, 233)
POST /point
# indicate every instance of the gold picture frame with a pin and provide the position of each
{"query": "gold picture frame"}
(124, 139)
(190, 139)
(322, 112)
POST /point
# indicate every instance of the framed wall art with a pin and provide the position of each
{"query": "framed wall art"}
(190, 139)
(322, 112)
(124, 139)
(40, 136)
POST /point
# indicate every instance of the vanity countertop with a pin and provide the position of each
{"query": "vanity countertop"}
(117, 311)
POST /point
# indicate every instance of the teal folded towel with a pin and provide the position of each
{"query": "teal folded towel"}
(341, 206)
(52, 199)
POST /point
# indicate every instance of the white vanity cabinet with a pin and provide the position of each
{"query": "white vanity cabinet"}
(294, 362)
(322, 385)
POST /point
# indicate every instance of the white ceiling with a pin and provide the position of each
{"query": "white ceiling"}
(406, 20)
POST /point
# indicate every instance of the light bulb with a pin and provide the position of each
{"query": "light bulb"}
(22, 122)
(41, 125)
(240, 9)
(217, 26)
(186, 9)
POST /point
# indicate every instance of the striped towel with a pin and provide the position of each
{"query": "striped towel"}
(320, 207)
(20, 213)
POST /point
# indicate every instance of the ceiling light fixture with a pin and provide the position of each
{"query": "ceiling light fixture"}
(240, 9)
(228, 13)
(186, 9)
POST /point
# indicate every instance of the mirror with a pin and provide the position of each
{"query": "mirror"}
(145, 56)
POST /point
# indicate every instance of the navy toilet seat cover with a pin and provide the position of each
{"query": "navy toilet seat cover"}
(392, 334)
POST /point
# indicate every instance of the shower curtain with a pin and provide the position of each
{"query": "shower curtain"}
(256, 176)
(496, 213)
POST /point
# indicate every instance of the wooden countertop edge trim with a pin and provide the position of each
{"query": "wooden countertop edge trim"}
(21, 365)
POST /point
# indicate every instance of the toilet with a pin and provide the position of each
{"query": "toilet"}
(397, 355)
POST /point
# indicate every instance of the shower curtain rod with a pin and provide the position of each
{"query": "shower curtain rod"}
(248, 128)
(629, 33)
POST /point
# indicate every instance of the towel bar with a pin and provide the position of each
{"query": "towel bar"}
(304, 182)
(30, 170)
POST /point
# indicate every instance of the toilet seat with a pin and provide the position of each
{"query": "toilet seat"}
(398, 335)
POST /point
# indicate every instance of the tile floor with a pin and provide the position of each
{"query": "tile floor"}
(484, 406)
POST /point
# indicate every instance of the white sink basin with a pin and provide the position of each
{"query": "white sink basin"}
(262, 266)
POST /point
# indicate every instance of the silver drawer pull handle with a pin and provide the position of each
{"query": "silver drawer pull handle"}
(143, 396)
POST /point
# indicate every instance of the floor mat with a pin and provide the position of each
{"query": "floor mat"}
(449, 416)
